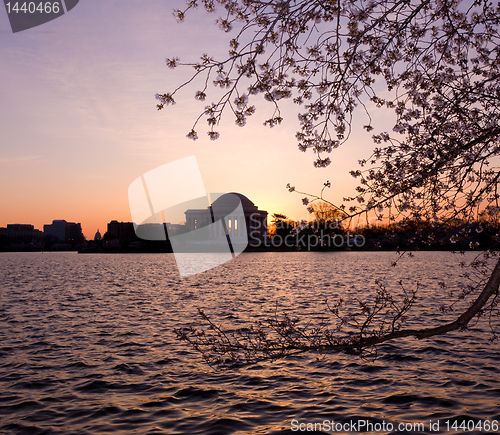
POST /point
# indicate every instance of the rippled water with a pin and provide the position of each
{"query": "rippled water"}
(87, 347)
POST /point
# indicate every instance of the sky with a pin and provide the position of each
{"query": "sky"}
(78, 119)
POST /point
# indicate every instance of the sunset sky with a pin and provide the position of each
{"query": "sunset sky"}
(78, 119)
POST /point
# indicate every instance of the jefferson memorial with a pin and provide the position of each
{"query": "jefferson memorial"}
(240, 222)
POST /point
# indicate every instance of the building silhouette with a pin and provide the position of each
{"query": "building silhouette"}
(252, 223)
(21, 233)
(66, 232)
(120, 231)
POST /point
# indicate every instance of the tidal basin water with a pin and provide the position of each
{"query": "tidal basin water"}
(87, 347)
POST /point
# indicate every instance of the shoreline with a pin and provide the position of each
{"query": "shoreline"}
(255, 249)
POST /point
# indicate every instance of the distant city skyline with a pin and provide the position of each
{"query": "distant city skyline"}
(79, 121)
(89, 233)
(59, 228)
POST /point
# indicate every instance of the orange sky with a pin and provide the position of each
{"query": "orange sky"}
(78, 119)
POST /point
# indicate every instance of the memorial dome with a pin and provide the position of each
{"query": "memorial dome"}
(228, 201)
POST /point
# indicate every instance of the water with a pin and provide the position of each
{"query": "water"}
(87, 347)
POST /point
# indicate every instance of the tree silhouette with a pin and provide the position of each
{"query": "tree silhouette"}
(434, 64)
